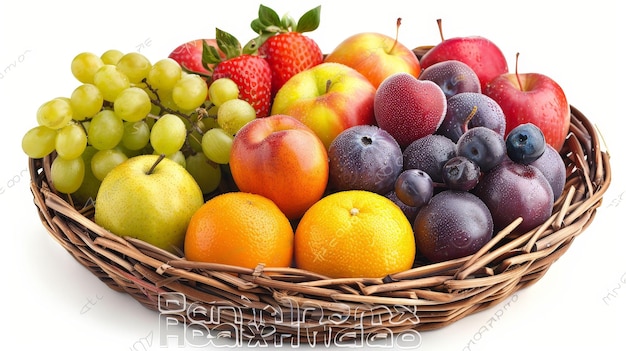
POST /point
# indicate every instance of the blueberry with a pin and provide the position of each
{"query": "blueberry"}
(525, 143)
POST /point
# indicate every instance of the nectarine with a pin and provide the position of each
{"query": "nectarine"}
(282, 159)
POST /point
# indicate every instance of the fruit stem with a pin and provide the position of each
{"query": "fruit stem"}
(519, 81)
(469, 118)
(328, 83)
(395, 42)
(158, 160)
(440, 28)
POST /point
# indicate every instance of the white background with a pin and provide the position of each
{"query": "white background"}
(46, 293)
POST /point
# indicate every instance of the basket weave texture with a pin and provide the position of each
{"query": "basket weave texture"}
(297, 304)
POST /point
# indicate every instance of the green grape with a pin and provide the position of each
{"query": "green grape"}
(111, 81)
(168, 134)
(103, 161)
(177, 157)
(195, 141)
(207, 174)
(67, 175)
(85, 65)
(105, 130)
(164, 74)
(86, 100)
(136, 135)
(165, 97)
(234, 114)
(222, 90)
(132, 104)
(216, 145)
(39, 141)
(111, 57)
(86, 193)
(71, 141)
(195, 137)
(135, 66)
(55, 114)
(190, 92)
(212, 112)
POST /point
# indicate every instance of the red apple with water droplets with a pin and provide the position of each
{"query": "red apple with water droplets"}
(481, 54)
(532, 98)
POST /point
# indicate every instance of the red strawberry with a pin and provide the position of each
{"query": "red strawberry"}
(189, 56)
(284, 46)
(250, 72)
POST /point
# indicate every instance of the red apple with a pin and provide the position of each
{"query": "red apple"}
(328, 98)
(376, 56)
(482, 55)
(282, 159)
(532, 98)
(409, 108)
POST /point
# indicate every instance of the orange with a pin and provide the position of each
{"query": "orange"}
(240, 229)
(354, 233)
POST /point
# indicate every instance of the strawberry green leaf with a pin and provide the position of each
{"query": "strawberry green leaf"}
(210, 55)
(229, 45)
(288, 23)
(268, 17)
(309, 21)
(257, 26)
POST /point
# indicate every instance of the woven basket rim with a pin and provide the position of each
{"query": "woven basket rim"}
(436, 294)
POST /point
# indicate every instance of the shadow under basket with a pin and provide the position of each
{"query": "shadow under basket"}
(293, 305)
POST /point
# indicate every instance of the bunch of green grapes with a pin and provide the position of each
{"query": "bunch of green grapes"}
(126, 106)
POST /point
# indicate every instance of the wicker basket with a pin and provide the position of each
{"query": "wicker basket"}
(291, 304)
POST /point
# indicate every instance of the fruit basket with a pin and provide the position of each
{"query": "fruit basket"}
(287, 303)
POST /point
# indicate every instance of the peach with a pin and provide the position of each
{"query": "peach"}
(282, 159)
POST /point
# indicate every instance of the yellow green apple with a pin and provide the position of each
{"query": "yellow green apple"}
(376, 56)
(150, 198)
(328, 98)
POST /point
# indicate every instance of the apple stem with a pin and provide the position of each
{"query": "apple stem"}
(158, 160)
(519, 81)
(440, 28)
(469, 118)
(398, 23)
(328, 83)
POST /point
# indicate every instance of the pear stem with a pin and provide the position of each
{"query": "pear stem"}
(395, 42)
(158, 160)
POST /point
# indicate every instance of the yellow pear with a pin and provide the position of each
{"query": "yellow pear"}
(149, 198)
